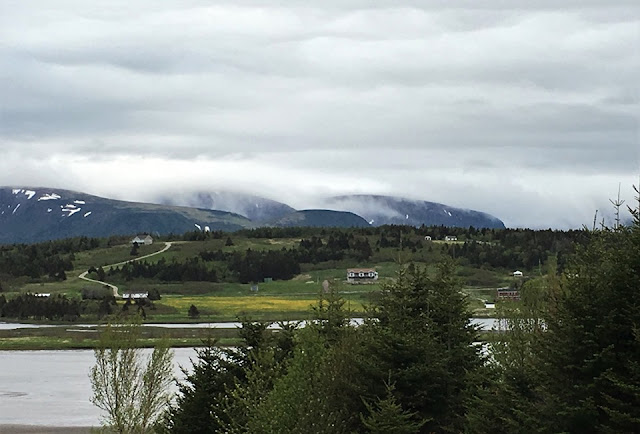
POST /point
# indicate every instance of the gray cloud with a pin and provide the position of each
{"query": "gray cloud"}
(527, 110)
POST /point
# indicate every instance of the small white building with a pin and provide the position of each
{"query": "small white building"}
(427, 238)
(517, 273)
(142, 239)
(489, 305)
(451, 238)
(135, 295)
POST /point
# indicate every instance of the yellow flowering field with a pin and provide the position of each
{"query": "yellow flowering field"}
(233, 305)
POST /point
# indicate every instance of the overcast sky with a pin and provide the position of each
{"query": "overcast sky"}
(524, 109)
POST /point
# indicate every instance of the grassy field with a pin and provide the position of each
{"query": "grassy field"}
(291, 299)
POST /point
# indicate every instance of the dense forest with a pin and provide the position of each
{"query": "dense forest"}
(567, 360)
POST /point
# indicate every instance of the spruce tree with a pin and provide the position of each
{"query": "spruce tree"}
(386, 416)
(421, 336)
(590, 353)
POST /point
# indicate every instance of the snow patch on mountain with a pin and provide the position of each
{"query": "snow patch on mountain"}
(80, 202)
(16, 209)
(29, 193)
(198, 226)
(87, 214)
(49, 196)
(71, 210)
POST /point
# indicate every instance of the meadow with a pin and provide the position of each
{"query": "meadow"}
(228, 299)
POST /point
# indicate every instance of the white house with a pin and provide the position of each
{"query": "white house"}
(135, 295)
(517, 273)
(361, 275)
(451, 238)
(427, 238)
(142, 239)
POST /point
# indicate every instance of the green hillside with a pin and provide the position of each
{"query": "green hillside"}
(263, 273)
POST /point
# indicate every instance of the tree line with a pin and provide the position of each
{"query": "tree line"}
(567, 360)
(52, 258)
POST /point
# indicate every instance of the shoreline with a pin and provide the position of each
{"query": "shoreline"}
(45, 429)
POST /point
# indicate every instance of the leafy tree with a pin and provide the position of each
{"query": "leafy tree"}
(229, 242)
(130, 389)
(134, 249)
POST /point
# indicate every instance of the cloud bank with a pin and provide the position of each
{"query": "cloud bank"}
(526, 110)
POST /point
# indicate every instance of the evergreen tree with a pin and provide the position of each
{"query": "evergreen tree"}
(387, 416)
(193, 311)
(199, 406)
(422, 339)
(590, 352)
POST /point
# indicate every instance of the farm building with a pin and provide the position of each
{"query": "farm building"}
(361, 275)
(517, 273)
(508, 294)
(451, 238)
(142, 239)
(427, 238)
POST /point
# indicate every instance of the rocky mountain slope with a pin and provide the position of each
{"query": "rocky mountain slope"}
(38, 214)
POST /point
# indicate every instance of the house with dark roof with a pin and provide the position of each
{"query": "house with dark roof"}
(361, 275)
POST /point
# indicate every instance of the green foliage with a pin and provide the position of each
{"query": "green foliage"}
(30, 306)
(386, 416)
(422, 340)
(590, 351)
(569, 360)
(130, 389)
(193, 311)
(199, 406)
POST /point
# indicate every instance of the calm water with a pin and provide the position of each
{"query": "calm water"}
(53, 388)
(484, 323)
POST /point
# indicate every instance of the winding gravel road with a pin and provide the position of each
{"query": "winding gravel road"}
(114, 288)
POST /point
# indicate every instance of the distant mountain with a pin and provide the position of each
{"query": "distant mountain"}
(320, 218)
(382, 210)
(255, 208)
(39, 214)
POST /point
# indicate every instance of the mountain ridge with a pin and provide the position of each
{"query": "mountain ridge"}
(33, 214)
